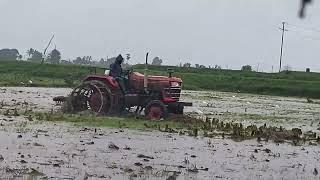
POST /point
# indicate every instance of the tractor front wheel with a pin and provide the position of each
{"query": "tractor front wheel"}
(156, 110)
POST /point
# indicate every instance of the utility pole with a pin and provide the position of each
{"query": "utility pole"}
(45, 50)
(281, 52)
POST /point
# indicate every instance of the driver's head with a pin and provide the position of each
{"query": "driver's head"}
(119, 59)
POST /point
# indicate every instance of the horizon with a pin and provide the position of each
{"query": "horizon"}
(227, 33)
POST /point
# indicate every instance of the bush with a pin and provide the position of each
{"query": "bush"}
(246, 68)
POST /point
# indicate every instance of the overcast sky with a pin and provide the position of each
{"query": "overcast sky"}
(224, 32)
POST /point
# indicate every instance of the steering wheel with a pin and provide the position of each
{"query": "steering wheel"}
(128, 72)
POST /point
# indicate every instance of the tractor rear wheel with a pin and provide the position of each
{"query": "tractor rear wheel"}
(93, 96)
(156, 110)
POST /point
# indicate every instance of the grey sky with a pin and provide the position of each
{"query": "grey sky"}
(209, 32)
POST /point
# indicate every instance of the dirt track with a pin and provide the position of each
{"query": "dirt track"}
(56, 151)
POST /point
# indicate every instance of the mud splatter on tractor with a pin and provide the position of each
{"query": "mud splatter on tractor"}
(158, 96)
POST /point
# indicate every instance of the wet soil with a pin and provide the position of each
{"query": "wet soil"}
(30, 98)
(48, 150)
(63, 151)
(257, 110)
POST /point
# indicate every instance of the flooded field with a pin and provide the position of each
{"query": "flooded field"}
(257, 109)
(46, 150)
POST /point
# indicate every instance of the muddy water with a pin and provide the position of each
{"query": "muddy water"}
(35, 150)
(37, 98)
(254, 109)
(62, 151)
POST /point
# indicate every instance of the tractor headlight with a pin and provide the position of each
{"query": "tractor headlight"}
(174, 84)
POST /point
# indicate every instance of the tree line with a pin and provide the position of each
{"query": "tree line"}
(54, 57)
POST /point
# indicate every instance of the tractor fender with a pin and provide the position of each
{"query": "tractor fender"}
(112, 82)
(108, 80)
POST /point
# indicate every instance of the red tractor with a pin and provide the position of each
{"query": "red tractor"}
(158, 96)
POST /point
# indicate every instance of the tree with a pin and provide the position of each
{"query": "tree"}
(157, 61)
(246, 68)
(197, 65)
(9, 54)
(101, 61)
(87, 59)
(30, 52)
(202, 66)
(187, 65)
(20, 57)
(54, 57)
(217, 67)
(78, 60)
(34, 55)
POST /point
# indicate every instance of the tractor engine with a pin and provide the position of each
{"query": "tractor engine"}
(166, 90)
(169, 88)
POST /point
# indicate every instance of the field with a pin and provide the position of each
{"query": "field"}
(298, 84)
(39, 142)
(251, 130)
(19, 73)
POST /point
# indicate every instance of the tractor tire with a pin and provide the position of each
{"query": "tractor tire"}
(92, 96)
(156, 110)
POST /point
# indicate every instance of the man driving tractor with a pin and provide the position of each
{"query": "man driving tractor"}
(117, 73)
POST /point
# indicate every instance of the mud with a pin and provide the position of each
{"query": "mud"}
(30, 98)
(45, 150)
(250, 109)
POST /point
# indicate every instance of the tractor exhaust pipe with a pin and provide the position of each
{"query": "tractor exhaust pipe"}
(145, 80)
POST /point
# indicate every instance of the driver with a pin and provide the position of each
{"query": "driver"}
(117, 73)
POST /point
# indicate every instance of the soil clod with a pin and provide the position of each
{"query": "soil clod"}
(138, 164)
(144, 156)
(113, 146)
(23, 161)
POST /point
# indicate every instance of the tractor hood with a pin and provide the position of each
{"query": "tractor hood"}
(138, 75)
(154, 82)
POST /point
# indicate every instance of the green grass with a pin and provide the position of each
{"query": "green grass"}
(301, 84)
(15, 73)
(298, 84)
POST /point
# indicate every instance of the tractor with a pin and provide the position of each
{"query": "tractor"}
(158, 96)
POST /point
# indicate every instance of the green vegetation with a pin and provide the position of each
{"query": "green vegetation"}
(240, 117)
(17, 73)
(299, 84)
(184, 126)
